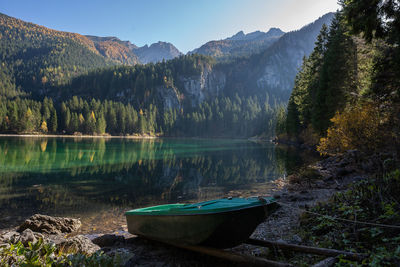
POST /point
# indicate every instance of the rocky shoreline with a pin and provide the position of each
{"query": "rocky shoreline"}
(131, 250)
(298, 193)
(316, 183)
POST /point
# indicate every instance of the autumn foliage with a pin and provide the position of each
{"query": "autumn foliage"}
(359, 127)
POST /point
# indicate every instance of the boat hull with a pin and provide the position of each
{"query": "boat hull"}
(221, 230)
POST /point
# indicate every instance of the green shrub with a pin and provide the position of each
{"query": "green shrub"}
(374, 200)
(46, 254)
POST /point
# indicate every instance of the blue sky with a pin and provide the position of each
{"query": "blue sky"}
(185, 23)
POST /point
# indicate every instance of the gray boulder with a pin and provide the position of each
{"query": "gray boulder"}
(9, 237)
(50, 225)
(78, 244)
(27, 236)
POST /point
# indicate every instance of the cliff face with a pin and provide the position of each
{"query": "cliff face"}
(192, 91)
(208, 84)
(169, 97)
(279, 69)
(279, 64)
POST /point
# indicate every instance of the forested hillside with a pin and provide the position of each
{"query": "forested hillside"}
(36, 58)
(114, 48)
(141, 85)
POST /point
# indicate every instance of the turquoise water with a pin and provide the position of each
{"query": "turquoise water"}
(97, 179)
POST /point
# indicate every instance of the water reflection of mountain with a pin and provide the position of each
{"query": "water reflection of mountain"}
(67, 176)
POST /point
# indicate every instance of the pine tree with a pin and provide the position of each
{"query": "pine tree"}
(375, 19)
(336, 78)
(66, 117)
(101, 125)
(142, 124)
(53, 122)
(74, 125)
(292, 125)
(307, 92)
(28, 121)
(111, 121)
(90, 123)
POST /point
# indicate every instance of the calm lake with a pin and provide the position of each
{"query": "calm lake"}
(98, 179)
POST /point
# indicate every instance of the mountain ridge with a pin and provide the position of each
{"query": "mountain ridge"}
(240, 44)
(256, 34)
(133, 54)
(272, 69)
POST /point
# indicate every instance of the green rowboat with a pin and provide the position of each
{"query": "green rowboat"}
(218, 223)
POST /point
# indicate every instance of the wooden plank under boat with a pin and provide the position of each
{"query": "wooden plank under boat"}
(220, 223)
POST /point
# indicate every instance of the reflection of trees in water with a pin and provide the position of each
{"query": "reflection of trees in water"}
(96, 156)
(289, 158)
(60, 174)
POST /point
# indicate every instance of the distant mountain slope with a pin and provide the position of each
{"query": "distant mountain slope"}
(37, 59)
(157, 52)
(273, 70)
(114, 48)
(128, 53)
(240, 44)
(277, 66)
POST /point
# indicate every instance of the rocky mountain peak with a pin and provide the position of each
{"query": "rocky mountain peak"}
(275, 32)
(157, 52)
(238, 36)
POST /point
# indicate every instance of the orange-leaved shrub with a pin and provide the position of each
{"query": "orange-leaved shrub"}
(359, 127)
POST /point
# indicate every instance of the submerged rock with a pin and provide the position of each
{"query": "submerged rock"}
(50, 225)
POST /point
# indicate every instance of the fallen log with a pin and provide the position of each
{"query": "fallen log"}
(306, 249)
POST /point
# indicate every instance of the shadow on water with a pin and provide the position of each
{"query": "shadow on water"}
(98, 179)
(290, 158)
